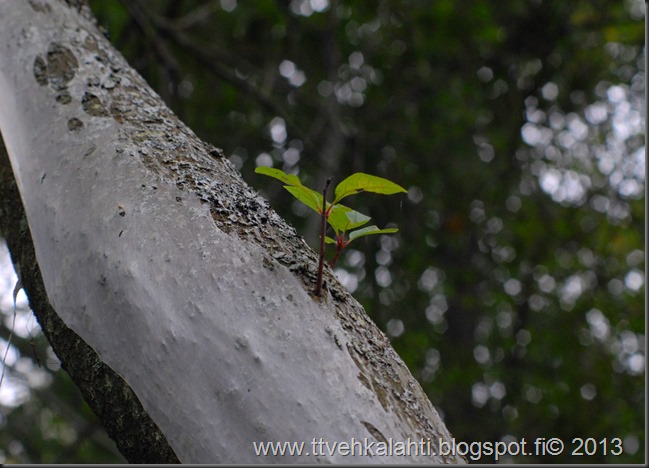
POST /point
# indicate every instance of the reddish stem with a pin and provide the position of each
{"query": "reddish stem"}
(318, 288)
(340, 245)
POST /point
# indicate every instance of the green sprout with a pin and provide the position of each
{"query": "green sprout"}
(346, 223)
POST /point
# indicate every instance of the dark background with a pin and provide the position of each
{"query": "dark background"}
(515, 287)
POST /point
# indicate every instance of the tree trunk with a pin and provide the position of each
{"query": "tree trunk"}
(179, 302)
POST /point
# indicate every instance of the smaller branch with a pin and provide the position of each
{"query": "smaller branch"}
(156, 40)
(323, 229)
(4, 357)
(339, 248)
(201, 14)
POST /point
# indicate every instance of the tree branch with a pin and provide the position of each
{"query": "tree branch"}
(111, 399)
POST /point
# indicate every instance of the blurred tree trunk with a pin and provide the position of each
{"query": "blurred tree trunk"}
(177, 300)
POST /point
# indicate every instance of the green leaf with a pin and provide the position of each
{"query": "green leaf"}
(356, 219)
(343, 218)
(369, 231)
(309, 197)
(278, 174)
(361, 182)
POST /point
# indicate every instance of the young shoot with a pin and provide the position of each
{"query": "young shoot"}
(345, 222)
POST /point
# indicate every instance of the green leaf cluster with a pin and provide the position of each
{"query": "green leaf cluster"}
(340, 217)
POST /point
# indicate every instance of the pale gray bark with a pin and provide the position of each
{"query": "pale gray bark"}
(156, 253)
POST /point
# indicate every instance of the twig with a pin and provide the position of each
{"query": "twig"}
(323, 229)
(18, 287)
(339, 249)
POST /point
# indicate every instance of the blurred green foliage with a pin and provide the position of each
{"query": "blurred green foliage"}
(515, 287)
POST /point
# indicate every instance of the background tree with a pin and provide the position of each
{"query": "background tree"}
(514, 289)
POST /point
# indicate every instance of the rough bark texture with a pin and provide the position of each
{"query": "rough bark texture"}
(176, 274)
